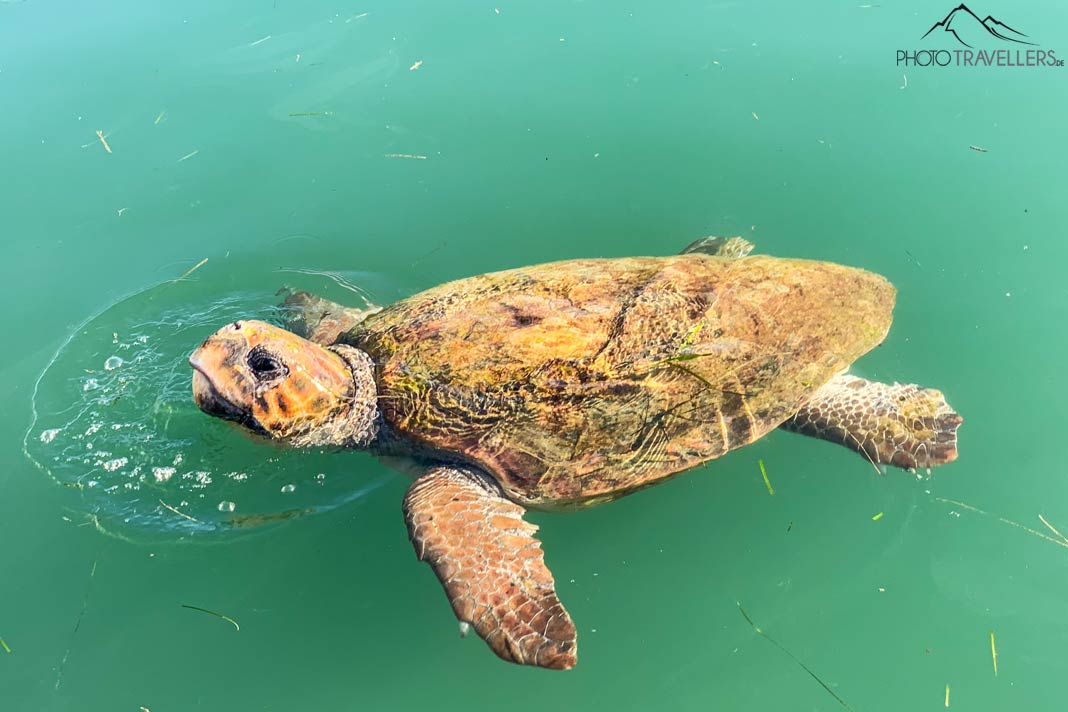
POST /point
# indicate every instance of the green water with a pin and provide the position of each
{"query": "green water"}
(549, 130)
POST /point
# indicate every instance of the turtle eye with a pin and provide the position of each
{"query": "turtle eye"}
(265, 365)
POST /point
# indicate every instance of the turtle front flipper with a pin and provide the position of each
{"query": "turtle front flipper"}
(902, 425)
(490, 565)
(731, 247)
(320, 320)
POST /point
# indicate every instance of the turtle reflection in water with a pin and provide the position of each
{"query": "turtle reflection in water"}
(569, 384)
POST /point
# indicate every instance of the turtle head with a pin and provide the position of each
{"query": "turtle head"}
(277, 384)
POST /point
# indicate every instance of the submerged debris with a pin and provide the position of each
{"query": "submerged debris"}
(77, 625)
(192, 269)
(767, 482)
(180, 514)
(228, 619)
(1053, 529)
(793, 657)
(1063, 541)
(100, 135)
(994, 653)
(442, 245)
(248, 521)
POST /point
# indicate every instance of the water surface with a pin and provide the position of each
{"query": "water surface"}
(274, 136)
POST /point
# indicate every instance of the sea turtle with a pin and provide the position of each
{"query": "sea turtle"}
(565, 385)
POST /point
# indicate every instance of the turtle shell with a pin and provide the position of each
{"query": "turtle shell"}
(580, 381)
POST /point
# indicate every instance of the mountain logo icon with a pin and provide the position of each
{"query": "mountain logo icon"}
(966, 27)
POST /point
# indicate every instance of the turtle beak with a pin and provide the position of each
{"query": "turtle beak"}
(211, 402)
(220, 386)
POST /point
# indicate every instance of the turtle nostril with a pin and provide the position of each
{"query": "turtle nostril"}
(237, 326)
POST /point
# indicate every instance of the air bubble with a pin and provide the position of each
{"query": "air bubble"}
(227, 506)
(162, 474)
(49, 435)
(288, 488)
(112, 363)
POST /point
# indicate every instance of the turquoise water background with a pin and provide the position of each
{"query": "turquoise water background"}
(279, 140)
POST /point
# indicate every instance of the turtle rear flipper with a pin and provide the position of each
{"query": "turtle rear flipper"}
(490, 565)
(902, 425)
(320, 320)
